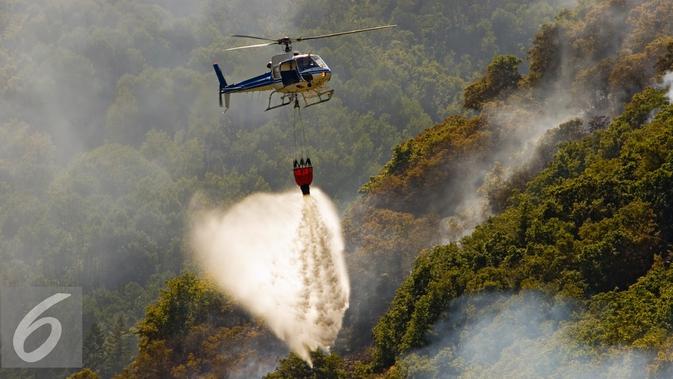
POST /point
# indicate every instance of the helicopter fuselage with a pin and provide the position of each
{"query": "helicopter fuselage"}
(289, 74)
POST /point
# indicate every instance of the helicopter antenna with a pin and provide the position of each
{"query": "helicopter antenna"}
(287, 41)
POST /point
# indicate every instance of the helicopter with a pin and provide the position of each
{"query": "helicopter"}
(290, 74)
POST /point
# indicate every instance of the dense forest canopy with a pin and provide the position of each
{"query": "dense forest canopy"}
(543, 119)
(569, 231)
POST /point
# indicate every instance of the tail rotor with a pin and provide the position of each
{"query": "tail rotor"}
(223, 85)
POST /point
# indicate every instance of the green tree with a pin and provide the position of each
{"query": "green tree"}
(116, 348)
(84, 373)
(502, 76)
(94, 347)
(327, 366)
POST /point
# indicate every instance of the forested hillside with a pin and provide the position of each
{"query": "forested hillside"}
(556, 191)
(538, 204)
(441, 184)
(594, 222)
(110, 125)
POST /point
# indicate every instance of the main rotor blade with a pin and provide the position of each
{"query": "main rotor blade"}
(253, 37)
(250, 46)
(343, 33)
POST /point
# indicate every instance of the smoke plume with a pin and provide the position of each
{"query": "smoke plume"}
(521, 128)
(668, 85)
(280, 257)
(517, 336)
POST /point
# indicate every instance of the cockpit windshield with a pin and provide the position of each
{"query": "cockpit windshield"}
(313, 61)
(319, 61)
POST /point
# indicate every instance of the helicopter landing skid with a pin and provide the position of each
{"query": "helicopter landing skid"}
(285, 99)
(322, 97)
(315, 97)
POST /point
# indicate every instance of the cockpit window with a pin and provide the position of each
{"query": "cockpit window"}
(318, 61)
(305, 63)
(314, 61)
(288, 66)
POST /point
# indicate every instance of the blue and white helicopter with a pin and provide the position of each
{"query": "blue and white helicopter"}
(290, 74)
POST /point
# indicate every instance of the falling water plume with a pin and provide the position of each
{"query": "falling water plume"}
(280, 256)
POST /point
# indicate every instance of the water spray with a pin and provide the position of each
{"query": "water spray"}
(280, 256)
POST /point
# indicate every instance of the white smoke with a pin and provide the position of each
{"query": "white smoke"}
(522, 127)
(668, 85)
(280, 256)
(518, 336)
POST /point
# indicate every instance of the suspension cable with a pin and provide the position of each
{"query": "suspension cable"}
(303, 134)
(295, 120)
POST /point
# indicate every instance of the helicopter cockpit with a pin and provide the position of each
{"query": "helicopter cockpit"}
(310, 61)
(289, 62)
